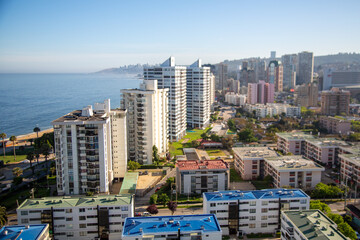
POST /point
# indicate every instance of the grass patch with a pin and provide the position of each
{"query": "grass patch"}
(234, 176)
(215, 152)
(230, 132)
(20, 155)
(176, 148)
(260, 184)
(259, 235)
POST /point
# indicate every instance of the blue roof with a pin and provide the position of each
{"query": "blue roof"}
(14, 232)
(166, 224)
(255, 194)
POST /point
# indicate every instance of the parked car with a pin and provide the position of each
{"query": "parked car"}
(146, 214)
(137, 214)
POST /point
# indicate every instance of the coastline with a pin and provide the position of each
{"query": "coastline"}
(28, 136)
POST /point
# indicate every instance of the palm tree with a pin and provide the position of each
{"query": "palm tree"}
(45, 150)
(37, 130)
(3, 136)
(13, 139)
(3, 216)
(30, 157)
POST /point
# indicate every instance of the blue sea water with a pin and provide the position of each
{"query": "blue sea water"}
(30, 100)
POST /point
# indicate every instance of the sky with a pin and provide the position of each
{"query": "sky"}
(65, 36)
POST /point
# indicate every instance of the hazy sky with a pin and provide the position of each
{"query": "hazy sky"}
(86, 36)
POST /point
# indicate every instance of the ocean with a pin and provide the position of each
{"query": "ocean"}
(30, 100)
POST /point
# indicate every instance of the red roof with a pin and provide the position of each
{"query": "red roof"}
(202, 164)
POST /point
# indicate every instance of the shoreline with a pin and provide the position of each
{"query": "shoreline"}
(26, 137)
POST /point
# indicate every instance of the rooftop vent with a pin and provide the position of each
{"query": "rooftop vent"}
(178, 223)
(202, 227)
(26, 226)
(140, 230)
(132, 222)
(208, 219)
(154, 226)
(187, 225)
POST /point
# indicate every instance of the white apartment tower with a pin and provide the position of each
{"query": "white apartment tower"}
(84, 150)
(147, 120)
(212, 91)
(198, 95)
(173, 78)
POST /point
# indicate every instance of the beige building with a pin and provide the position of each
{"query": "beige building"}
(292, 142)
(147, 120)
(350, 164)
(335, 102)
(293, 171)
(335, 125)
(307, 95)
(249, 161)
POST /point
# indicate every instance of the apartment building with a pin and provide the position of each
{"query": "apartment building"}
(258, 211)
(271, 109)
(249, 161)
(323, 150)
(293, 171)
(261, 92)
(147, 120)
(221, 76)
(198, 176)
(26, 232)
(306, 68)
(84, 151)
(197, 95)
(290, 62)
(235, 99)
(187, 227)
(307, 95)
(292, 142)
(335, 125)
(335, 102)
(275, 75)
(308, 224)
(96, 217)
(349, 159)
(173, 78)
(212, 91)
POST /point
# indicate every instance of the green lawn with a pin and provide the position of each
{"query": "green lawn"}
(234, 176)
(176, 148)
(20, 155)
(215, 152)
(261, 184)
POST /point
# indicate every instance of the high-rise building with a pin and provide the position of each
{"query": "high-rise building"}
(198, 95)
(260, 71)
(84, 151)
(261, 92)
(307, 95)
(273, 55)
(212, 91)
(275, 75)
(335, 102)
(174, 78)
(147, 120)
(290, 62)
(222, 76)
(306, 68)
(332, 78)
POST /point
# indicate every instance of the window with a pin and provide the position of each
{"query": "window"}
(82, 225)
(252, 218)
(24, 213)
(303, 201)
(264, 225)
(264, 217)
(252, 203)
(69, 210)
(82, 218)
(264, 203)
(69, 219)
(212, 204)
(82, 233)
(25, 220)
(252, 210)
(252, 225)
(124, 208)
(264, 210)
(81, 209)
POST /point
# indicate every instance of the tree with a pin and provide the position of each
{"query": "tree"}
(45, 150)
(336, 218)
(172, 207)
(164, 198)
(37, 130)
(231, 125)
(215, 138)
(195, 143)
(3, 216)
(30, 157)
(247, 135)
(155, 156)
(326, 191)
(204, 136)
(347, 230)
(152, 209)
(132, 165)
(17, 172)
(3, 136)
(227, 142)
(316, 204)
(13, 139)
(153, 198)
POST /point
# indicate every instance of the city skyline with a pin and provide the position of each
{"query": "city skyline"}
(83, 37)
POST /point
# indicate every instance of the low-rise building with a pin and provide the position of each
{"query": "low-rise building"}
(293, 171)
(258, 211)
(350, 165)
(292, 142)
(249, 161)
(79, 217)
(235, 99)
(335, 125)
(308, 224)
(271, 109)
(26, 232)
(187, 227)
(193, 176)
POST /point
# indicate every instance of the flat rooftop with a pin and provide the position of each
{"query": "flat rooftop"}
(254, 152)
(255, 194)
(295, 135)
(129, 183)
(138, 226)
(352, 149)
(353, 158)
(75, 116)
(73, 201)
(202, 164)
(32, 232)
(293, 163)
(314, 224)
(326, 142)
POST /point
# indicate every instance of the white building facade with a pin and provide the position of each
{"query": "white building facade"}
(147, 120)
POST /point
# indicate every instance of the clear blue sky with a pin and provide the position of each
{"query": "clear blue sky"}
(86, 36)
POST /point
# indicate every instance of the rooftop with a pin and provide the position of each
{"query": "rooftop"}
(73, 201)
(76, 117)
(30, 232)
(352, 149)
(314, 224)
(293, 162)
(295, 135)
(255, 194)
(139, 226)
(326, 142)
(203, 164)
(354, 158)
(254, 152)
(129, 183)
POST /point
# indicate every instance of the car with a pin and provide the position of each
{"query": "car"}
(137, 214)
(146, 214)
